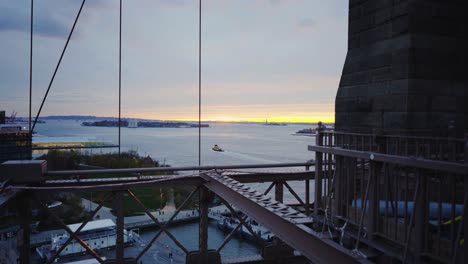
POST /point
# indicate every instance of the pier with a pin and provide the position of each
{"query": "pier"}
(139, 222)
(131, 222)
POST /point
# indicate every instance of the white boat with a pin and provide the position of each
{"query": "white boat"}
(98, 234)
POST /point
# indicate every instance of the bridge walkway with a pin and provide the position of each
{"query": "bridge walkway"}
(288, 224)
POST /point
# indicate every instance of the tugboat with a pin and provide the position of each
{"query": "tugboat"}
(217, 148)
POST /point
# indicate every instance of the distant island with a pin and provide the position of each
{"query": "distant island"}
(89, 118)
(74, 117)
(125, 123)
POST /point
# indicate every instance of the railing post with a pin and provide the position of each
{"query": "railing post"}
(420, 219)
(23, 204)
(118, 207)
(318, 170)
(307, 192)
(204, 255)
(338, 195)
(465, 219)
(373, 211)
(203, 228)
(279, 191)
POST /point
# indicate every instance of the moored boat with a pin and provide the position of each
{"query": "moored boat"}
(98, 234)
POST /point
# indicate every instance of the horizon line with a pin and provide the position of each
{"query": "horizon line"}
(279, 119)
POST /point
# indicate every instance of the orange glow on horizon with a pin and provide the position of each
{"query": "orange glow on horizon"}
(324, 117)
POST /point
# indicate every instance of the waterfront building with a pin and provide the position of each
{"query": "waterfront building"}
(15, 143)
(132, 123)
(2, 117)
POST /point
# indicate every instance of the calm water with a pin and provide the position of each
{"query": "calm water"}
(244, 144)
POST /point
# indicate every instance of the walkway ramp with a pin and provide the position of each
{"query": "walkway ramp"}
(285, 222)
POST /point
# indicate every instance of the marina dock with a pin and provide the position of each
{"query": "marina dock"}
(131, 222)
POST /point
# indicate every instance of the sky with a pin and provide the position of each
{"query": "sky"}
(279, 60)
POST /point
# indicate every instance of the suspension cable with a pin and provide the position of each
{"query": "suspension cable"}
(120, 69)
(199, 82)
(58, 66)
(31, 30)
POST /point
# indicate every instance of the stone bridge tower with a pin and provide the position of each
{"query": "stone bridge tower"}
(406, 70)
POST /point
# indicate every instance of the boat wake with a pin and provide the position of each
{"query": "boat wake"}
(247, 158)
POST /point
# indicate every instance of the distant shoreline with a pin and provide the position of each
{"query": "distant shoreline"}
(143, 124)
(99, 118)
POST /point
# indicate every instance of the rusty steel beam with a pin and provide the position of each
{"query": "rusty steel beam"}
(188, 179)
(7, 196)
(452, 167)
(279, 191)
(307, 194)
(291, 190)
(318, 183)
(251, 177)
(242, 221)
(310, 243)
(230, 235)
(119, 239)
(23, 206)
(115, 185)
(168, 222)
(464, 221)
(204, 203)
(269, 188)
(156, 221)
(73, 185)
(189, 168)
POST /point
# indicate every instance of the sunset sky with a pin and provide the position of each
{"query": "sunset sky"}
(275, 59)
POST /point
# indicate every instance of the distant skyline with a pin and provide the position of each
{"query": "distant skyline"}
(279, 60)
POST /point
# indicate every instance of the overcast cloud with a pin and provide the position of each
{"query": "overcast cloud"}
(268, 57)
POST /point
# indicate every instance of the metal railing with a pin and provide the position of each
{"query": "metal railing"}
(114, 189)
(404, 196)
(393, 194)
(432, 148)
(187, 168)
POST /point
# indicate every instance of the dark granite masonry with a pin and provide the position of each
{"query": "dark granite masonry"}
(406, 70)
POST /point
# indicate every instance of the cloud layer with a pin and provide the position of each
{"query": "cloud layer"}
(273, 53)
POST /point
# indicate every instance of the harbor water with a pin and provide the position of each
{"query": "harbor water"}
(243, 144)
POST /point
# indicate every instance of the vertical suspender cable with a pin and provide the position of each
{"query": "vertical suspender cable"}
(58, 65)
(201, 230)
(199, 83)
(120, 67)
(30, 63)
